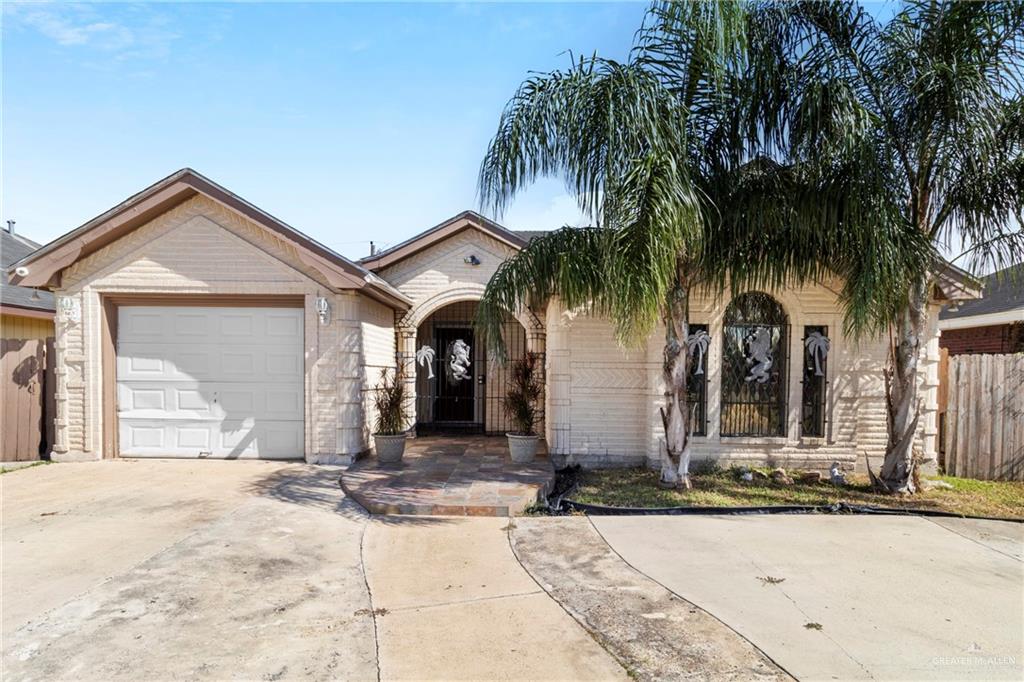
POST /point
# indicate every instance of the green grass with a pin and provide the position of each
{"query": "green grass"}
(8, 470)
(639, 488)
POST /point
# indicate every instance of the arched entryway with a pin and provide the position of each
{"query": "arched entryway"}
(459, 386)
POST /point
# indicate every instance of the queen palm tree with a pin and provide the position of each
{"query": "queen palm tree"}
(653, 148)
(921, 117)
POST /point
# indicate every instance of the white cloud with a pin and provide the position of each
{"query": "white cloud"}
(548, 213)
(120, 31)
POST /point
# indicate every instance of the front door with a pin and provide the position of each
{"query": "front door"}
(456, 376)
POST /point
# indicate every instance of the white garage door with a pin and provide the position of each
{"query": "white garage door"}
(210, 382)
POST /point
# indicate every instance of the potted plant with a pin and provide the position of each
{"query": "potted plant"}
(389, 428)
(521, 408)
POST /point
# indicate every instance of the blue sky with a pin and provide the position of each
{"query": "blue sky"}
(351, 122)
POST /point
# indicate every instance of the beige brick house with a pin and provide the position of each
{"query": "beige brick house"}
(192, 324)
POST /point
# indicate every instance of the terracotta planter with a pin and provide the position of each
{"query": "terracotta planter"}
(390, 448)
(523, 449)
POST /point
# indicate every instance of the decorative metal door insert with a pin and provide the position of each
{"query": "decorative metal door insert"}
(815, 381)
(461, 388)
(755, 349)
(697, 379)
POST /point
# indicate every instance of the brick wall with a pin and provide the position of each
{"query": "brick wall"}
(1002, 338)
(603, 401)
(201, 247)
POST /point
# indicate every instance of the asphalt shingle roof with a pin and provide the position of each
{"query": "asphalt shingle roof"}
(1003, 290)
(13, 248)
(530, 235)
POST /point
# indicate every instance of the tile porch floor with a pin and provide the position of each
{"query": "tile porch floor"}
(450, 476)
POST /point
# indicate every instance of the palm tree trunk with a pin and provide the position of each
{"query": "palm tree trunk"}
(903, 406)
(675, 467)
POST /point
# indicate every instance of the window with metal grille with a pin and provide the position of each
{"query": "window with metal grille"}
(697, 379)
(815, 381)
(754, 360)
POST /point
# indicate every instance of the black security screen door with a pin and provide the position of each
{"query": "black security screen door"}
(754, 361)
(460, 387)
(456, 382)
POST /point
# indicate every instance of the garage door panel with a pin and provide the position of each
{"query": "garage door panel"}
(193, 438)
(282, 364)
(237, 325)
(143, 324)
(284, 327)
(197, 326)
(236, 362)
(210, 382)
(242, 440)
(209, 400)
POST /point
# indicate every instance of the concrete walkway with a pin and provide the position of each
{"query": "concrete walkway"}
(452, 602)
(847, 597)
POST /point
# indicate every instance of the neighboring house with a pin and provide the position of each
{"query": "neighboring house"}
(193, 324)
(26, 379)
(993, 323)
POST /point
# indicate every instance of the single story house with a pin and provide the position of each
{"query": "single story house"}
(26, 349)
(190, 323)
(993, 323)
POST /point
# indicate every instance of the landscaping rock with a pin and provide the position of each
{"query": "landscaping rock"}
(928, 484)
(810, 477)
(835, 475)
(759, 476)
(779, 476)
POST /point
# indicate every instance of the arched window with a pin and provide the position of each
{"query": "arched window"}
(755, 347)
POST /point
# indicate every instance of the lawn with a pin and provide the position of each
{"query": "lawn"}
(639, 488)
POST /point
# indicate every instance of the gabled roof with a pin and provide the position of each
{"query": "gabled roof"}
(14, 247)
(1003, 293)
(44, 266)
(955, 284)
(463, 221)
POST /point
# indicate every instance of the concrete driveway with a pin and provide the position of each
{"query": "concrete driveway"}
(175, 569)
(847, 597)
(250, 570)
(128, 570)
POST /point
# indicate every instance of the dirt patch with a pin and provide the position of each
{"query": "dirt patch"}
(654, 634)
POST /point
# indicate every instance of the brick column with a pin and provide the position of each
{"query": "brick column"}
(406, 360)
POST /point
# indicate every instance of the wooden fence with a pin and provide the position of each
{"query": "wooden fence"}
(984, 421)
(26, 389)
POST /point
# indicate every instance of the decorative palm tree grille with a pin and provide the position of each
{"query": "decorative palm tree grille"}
(460, 388)
(815, 381)
(697, 379)
(755, 356)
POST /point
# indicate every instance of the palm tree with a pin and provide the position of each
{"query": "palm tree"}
(921, 118)
(654, 150)
(622, 135)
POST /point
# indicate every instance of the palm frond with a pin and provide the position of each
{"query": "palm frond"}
(587, 125)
